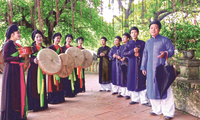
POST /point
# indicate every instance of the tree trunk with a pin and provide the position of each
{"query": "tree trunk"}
(9, 12)
(8, 16)
(75, 7)
(32, 19)
(64, 6)
(72, 15)
(68, 12)
(75, 16)
(39, 15)
(50, 25)
(35, 12)
(57, 12)
(126, 17)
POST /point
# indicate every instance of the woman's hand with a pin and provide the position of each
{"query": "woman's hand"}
(22, 56)
(35, 61)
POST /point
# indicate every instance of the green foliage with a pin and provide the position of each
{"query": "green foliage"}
(197, 53)
(149, 10)
(91, 30)
(179, 88)
(187, 36)
(26, 39)
(199, 85)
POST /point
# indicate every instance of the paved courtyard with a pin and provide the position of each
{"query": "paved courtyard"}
(95, 105)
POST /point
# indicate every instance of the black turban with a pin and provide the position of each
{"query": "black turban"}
(118, 37)
(104, 38)
(35, 32)
(55, 35)
(156, 22)
(68, 35)
(127, 35)
(134, 28)
(11, 29)
(79, 39)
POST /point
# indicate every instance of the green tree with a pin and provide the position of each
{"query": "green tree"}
(78, 17)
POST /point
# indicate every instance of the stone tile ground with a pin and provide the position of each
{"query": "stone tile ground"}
(95, 105)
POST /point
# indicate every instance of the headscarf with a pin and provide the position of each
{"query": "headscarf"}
(55, 35)
(35, 32)
(79, 39)
(68, 35)
(11, 29)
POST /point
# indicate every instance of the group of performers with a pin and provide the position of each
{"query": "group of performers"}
(129, 69)
(18, 96)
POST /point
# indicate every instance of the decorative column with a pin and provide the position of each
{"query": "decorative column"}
(189, 69)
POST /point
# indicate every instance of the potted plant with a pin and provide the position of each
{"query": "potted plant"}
(187, 38)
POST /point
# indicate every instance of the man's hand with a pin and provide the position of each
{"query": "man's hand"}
(123, 59)
(144, 72)
(119, 58)
(162, 55)
(137, 54)
(136, 50)
(102, 54)
(114, 56)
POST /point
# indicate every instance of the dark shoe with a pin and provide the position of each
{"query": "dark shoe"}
(168, 118)
(101, 90)
(120, 96)
(132, 102)
(70, 96)
(127, 97)
(147, 104)
(108, 90)
(152, 113)
(114, 93)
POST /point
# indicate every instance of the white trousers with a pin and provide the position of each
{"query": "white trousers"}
(124, 91)
(115, 88)
(164, 106)
(106, 86)
(140, 96)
